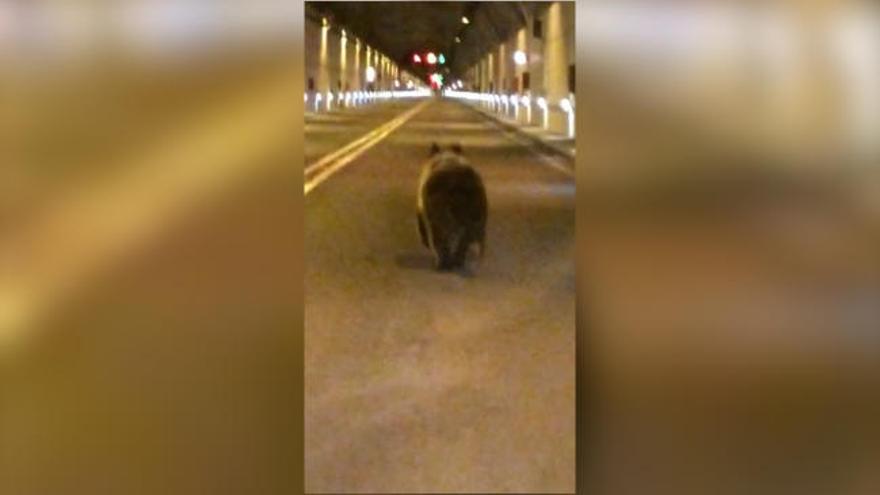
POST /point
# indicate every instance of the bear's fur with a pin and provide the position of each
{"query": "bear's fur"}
(452, 207)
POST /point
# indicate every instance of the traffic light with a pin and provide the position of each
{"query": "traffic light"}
(441, 59)
(417, 59)
(431, 58)
(436, 80)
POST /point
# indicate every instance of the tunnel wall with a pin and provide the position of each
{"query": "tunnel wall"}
(336, 60)
(559, 56)
(549, 58)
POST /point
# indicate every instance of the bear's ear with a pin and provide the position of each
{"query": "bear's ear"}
(434, 149)
(456, 148)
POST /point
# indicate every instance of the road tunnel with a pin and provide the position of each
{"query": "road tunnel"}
(449, 389)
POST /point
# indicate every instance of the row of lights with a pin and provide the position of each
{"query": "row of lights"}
(438, 80)
(370, 72)
(508, 102)
(465, 21)
(354, 98)
(430, 58)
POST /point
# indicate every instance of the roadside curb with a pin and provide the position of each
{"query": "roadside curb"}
(543, 144)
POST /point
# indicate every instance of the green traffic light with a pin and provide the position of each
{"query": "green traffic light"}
(441, 59)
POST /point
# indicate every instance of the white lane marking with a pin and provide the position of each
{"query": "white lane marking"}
(321, 170)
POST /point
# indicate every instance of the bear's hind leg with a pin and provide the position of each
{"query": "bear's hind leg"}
(423, 231)
(459, 251)
(444, 257)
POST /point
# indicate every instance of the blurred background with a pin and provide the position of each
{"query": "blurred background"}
(729, 258)
(151, 249)
(150, 263)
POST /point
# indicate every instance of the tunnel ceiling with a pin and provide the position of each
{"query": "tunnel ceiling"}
(401, 28)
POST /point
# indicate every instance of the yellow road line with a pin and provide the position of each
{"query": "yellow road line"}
(321, 170)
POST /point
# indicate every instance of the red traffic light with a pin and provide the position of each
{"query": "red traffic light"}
(417, 59)
(435, 80)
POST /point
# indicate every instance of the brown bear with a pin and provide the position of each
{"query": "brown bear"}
(452, 207)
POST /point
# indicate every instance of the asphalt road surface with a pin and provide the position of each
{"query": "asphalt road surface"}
(449, 382)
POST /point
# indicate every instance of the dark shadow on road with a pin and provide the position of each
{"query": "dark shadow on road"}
(415, 261)
(425, 261)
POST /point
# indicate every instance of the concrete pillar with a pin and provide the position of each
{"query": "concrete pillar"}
(510, 65)
(521, 45)
(392, 74)
(477, 80)
(500, 69)
(323, 83)
(345, 66)
(559, 20)
(490, 74)
(482, 85)
(535, 53)
(312, 31)
(333, 67)
(388, 78)
(506, 76)
(381, 72)
(376, 66)
(489, 77)
(358, 77)
(368, 62)
(518, 70)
